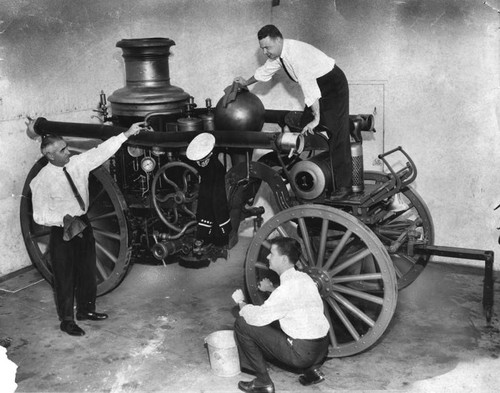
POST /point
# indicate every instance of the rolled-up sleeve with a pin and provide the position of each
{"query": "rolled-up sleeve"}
(265, 72)
(311, 91)
(95, 157)
(273, 309)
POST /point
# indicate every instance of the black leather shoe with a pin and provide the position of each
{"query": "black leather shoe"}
(72, 328)
(251, 388)
(311, 377)
(341, 193)
(93, 316)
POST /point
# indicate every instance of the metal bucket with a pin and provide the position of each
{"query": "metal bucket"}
(223, 353)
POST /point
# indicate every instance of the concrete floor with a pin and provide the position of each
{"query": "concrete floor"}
(438, 340)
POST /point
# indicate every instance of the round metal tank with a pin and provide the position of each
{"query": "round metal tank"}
(148, 87)
(245, 113)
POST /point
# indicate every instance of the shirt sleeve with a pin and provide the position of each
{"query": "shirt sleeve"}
(311, 90)
(265, 72)
(92, 158)
(274, 308)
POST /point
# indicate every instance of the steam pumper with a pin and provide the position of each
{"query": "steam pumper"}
(359, 250)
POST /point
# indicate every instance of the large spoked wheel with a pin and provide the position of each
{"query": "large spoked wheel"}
(345, 260)
(407, 220)
(107, 214)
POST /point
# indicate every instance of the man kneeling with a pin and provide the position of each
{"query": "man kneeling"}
(300, 341)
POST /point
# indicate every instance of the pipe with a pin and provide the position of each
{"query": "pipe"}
(174, 140)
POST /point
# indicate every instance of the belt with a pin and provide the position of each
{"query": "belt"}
(314, 339)
(308, 339)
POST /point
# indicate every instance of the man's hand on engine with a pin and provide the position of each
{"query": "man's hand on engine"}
(309, 128)
(242, 81)
(30, 128)
(136, 128)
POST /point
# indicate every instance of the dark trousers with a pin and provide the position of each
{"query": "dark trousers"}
(256, 343)
(74, 269)
(334, 115)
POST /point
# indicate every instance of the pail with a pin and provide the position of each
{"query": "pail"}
(223, 353)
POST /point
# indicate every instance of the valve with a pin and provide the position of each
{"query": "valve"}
(102, 109)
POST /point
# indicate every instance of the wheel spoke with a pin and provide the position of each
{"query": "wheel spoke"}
(101, 270)
(343, 318)
(338, 249)
(108, 234)
(104, 216)
(358, 256)
(322, 242)
(40, 233)
(353, 309)
(331, 332)
(282, 231)
(356, 277)
(261, 265)
(97, 196)
(307, 240)
(358, 294)
(106, 252)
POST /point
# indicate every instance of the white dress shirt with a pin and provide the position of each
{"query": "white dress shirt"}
(304, 63)
(296, 304)
(53, 197)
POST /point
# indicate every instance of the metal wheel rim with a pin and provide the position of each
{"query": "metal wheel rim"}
(107, 214)
(407, 268)
(158, 208)
(341, 300)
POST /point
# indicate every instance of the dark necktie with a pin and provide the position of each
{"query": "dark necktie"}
(75, 190)
(286, 70)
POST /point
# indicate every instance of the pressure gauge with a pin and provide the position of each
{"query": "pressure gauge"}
(148, 164)
(135, 151)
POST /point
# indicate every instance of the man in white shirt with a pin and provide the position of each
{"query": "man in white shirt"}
(60, 194)
(326, 95)
(301, 340)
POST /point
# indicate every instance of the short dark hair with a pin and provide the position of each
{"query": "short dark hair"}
(48, 140)
(287, 246)
(270, 31)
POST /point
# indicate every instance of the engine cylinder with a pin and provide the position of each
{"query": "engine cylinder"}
(313, 177)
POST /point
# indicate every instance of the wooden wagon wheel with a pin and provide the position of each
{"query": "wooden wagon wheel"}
(340, 253)
(107, 214)
(406, 212)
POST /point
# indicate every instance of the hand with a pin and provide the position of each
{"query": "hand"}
(309, 128)
(136, 128)
(266, 285)
(238, 296)
(30, 128)
(242, 81)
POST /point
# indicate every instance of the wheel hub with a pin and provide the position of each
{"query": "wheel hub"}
(321, 279)
(179, 197)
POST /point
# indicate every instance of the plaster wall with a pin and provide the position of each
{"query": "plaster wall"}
(430, 67)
